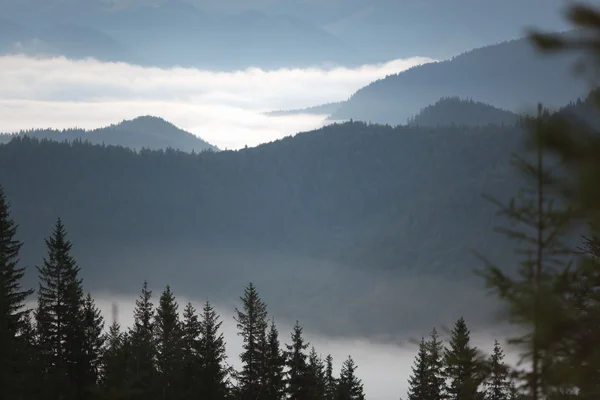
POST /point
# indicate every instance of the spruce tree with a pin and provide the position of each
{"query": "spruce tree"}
(330, 380)
(297, 374)
(168, 339)
(143, 348)
(437, 382)
(418, 383)
(275, 363)
(59, 319)
(543, 298)
(116, 370)
(513, 392)
(576, 144)
(30, 364)
(252, 326)
(213, 355)
(13, 315)
(462, 368)
(349, 387)
(93, 325)
(316, 376)
(497, 382)
(192, 360)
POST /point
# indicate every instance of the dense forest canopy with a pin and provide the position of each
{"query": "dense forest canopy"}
(361, 200)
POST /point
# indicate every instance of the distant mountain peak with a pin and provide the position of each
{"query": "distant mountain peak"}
(454, 110)
(146, 131)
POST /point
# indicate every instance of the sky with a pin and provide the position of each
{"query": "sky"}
(383, 368)
(224, 108)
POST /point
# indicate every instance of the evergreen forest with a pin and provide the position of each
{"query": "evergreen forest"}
(55, 344)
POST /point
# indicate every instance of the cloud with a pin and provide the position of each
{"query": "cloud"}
(222, 107)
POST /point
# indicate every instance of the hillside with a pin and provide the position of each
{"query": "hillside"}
(350, 208)
(510, 75)
(143, 132)
(323, 109)
(462, 112)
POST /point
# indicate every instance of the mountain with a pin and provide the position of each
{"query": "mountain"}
(280, 34)
(11, 34)
(462, 112)
(323, 109)
(143, 132)
(509, 75)
(173, 33)
(437, 28)
(379, 30)
(79, 42)
(336, 222)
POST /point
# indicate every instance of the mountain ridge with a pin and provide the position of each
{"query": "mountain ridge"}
(380, 35)
(508, 75)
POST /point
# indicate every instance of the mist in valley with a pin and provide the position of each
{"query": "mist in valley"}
(224, 108)
(348, 146)
(382, 366)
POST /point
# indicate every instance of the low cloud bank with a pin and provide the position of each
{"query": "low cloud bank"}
(223, 108)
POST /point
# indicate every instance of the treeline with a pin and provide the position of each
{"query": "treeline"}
(61, 350)
(459, 370)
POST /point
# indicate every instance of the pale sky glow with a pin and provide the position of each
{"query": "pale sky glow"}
(221, 107)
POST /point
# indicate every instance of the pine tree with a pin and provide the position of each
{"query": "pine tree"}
(213, 356)
(59, 318)
(461, 365)
(316, 376)
(349, 387)
(275, 363)
(192, 360)
(498, 385)
(93, 325)
(13, 315)
(419, 382)
(297, 374)
(168, 339)
(143, 347)
(330, 381)
(252, 326)
(437, 381)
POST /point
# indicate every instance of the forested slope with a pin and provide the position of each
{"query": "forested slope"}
(373, 202)
(509, 75)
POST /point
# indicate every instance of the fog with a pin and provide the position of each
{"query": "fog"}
(384, 368)
(224, 108)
